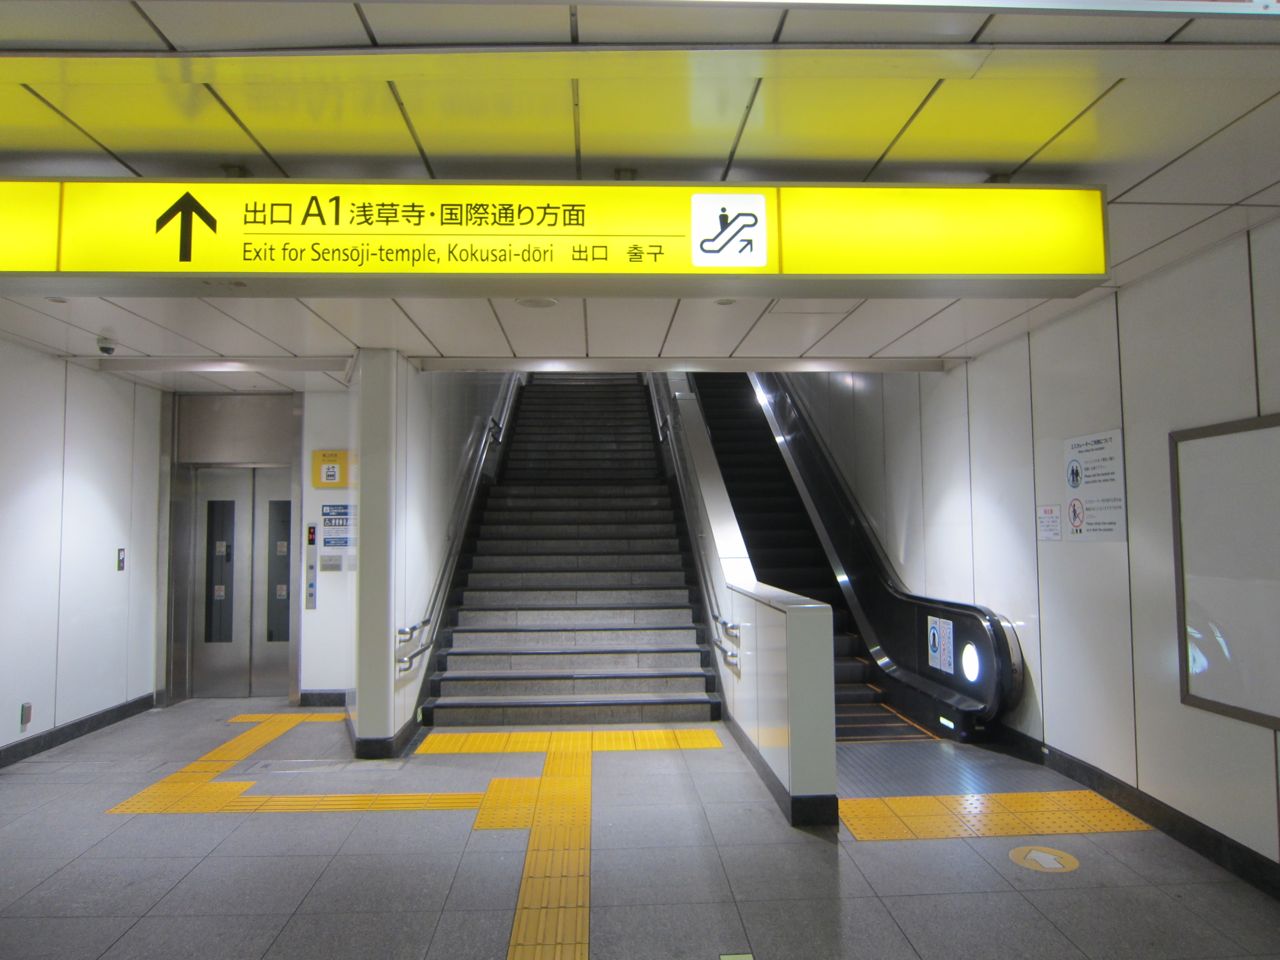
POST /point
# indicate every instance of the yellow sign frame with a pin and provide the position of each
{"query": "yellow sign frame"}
(330, 469)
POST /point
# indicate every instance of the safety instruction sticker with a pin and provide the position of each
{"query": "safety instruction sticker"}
(337, 525)
(1094, 482)
(942, 645)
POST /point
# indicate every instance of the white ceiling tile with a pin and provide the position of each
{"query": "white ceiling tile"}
(808, 25)
(1134, 227)
(203, 324)
(1231, 30)
(247, 382)
(1228, 223)
(48, 333)
(101, 317)
(75, 25)
(1241, 160)
(459, 328)
(875, 324)
(1270, 196)
(555, 331)
(957, 324)
(786, 334)
(803, 305)
(705, 328)
(374, 324)
(180, 382)
(256, 24)
(627, 327)
(288, 323)
(1049, 311)
(1002, 334)
(463, 23)
(676, 24)
(1089, 27)
(1140, 126)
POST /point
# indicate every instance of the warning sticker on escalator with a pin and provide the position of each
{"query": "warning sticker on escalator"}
(942, 645)
(729, 230)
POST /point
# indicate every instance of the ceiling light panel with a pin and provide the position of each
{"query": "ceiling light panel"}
(38, 142)
(1089, 27)
(478, 129)
(809, 25)
(203, 324)
(75, 25)
(820, 128)
(466, 23)
(675, 24)
(554, 331)
(103, 318)
(375, 324)
(957, 324)
(341, 130)
(256, 25)
(458, 327)
(704, 328)
(169, 130)
(990, 124)
(875, 324)
(698, 118)
(786, 334)
(288, 323)
(627, 327)
(1138, 127)
(1236, 162)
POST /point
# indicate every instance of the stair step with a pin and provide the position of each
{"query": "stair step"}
(497, 517)
(857, 693)
(612, 545)
(532, 506)
(591, 658)
(473, 598)
(575, 708)
(548, 637)
(576, 531)
(576, 579)
(550, 682)
(617, 490)
(578, 617)
(663, 560)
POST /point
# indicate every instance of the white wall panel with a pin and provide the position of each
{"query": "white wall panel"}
(1186, 348)
(144, 547)
(1265, 250)
(948, 522)
(31, 409)
(97, 502)
(1003, 482)
(903, 533)
(868, 469)
(1084, 587)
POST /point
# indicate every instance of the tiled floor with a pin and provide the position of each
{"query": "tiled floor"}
(690, 858)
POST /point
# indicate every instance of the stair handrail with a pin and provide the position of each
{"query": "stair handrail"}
(491, 439)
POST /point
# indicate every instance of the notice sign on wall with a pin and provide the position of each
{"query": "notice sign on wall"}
(1049, 521)
(1094, 480)
(942, 645)
(337, 525)
(330, 469)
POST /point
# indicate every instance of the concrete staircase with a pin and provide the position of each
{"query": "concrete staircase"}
(575, 600)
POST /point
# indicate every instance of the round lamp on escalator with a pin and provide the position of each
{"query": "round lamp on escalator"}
(969, 662)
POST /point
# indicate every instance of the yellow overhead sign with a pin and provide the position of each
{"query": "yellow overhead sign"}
(29, 227)
(942, 231)
(407, 228)
(411, 229)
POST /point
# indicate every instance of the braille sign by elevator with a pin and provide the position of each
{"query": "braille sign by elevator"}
(881, 233)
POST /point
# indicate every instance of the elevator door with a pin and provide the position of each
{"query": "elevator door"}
(244, 587)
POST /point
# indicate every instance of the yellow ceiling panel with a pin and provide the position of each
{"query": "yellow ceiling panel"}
(997, 122)
(318, 129)
(468, 129)
(167, 130)
(698, 120)
(839, 127)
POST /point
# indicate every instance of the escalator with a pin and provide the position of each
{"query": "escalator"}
(786, 551)
(904, 664)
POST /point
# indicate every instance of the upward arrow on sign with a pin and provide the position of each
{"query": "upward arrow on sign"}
(187, 206)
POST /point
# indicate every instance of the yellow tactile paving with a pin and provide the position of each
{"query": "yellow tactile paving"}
(984, 815)
(540, 741)
(613, 740)
(698, 740)
(442, 743)
(656, 740)
(529, 741)
(485, 743)
(508, 804)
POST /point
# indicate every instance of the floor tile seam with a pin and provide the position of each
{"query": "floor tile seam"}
(293, 913)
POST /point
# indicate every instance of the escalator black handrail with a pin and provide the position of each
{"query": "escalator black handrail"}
(893, 620)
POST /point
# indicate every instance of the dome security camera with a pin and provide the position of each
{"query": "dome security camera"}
(106, 346)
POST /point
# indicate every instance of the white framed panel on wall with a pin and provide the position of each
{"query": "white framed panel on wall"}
(1226, 515)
